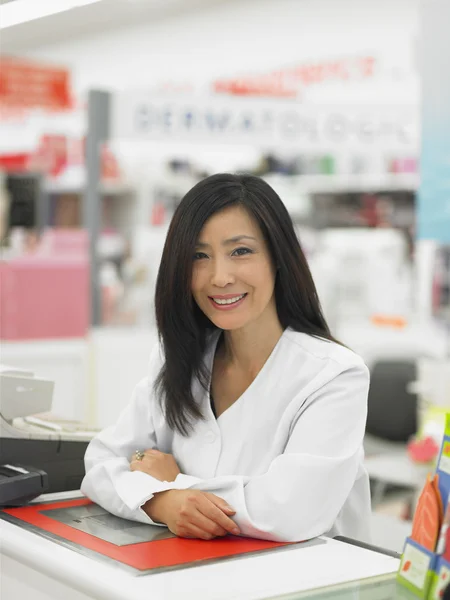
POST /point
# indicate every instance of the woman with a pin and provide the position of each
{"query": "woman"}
(251, 420)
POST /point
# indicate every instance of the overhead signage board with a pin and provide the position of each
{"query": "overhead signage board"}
(264, 123)
(26, 84)
(289, 82)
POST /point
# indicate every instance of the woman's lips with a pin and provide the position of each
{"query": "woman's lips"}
(230, 304)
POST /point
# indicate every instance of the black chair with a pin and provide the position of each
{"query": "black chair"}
(392, 410)
(392, 415)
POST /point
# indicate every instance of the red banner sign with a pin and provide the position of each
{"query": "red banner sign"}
(26, 84)
(287, 83)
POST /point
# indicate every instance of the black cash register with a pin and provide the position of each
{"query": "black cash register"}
(38, 452)
(20, 484)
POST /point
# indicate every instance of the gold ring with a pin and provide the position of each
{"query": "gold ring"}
(139, 455)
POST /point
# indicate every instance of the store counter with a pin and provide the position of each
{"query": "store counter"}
(33, 566)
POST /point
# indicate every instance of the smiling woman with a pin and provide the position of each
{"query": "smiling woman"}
(231, 235)
(252, 417)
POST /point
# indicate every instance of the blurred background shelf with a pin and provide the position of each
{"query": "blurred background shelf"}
(340, 184)
(105, 189)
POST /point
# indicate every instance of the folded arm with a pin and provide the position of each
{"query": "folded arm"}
(300, 495)
(305, 488)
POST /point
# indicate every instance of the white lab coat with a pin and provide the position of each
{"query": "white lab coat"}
(287, 455)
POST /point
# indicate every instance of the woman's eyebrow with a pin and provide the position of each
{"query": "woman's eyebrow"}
(238, 238)
(233, 240)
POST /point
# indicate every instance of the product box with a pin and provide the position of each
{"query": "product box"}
(44, 298)
(425, 564)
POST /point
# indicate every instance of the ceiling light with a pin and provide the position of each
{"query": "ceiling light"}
(21, 11)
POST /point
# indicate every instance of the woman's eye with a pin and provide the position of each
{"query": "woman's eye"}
(241, 251)
(199, 255)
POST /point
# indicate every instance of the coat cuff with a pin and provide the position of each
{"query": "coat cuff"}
(136, 488)
(182, 482)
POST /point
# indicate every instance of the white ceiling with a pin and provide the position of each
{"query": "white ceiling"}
(91, 19)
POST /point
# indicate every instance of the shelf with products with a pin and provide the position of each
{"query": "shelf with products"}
(24, 203)
(355, 200)
(373, 210)
(352, 183)
(35, 203)
(65, 194)
(106, 188)
(65, 206)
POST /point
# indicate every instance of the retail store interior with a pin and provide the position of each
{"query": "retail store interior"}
(111, 110)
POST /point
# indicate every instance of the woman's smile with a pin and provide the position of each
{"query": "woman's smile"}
(227, 302)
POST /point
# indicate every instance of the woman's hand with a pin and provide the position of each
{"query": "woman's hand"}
(192, 514)
(157, 464)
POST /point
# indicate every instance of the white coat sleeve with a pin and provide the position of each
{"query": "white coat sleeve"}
(305, 488)
(108, 480)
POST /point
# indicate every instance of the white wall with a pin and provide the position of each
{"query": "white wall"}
(244, 37)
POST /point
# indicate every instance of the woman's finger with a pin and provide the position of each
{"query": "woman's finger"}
(143, 454)
(194, 532)
(212, 512)
(136, 465)
(220, 503)
(204, 523)
(140, 465)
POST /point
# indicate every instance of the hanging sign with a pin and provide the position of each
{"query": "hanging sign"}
(262, 122)
(25, 84)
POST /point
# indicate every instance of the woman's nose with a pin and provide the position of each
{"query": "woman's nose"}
(222, 273)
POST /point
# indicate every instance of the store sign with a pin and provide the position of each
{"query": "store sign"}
(27, 85)
(264, 123)
(288, 82)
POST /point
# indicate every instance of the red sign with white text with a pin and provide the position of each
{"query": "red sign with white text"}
(288, 82)
(31, 85)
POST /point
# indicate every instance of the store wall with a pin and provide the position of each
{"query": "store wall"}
(248, 36)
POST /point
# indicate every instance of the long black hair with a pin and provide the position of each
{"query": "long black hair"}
(183, 328)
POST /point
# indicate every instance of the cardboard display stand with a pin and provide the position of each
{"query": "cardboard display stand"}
(423, 571)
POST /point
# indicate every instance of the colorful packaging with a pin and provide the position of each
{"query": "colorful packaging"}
(425, 564)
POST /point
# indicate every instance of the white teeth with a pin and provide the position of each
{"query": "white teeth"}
(229, 300)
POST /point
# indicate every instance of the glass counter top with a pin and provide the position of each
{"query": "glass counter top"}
(384, 587)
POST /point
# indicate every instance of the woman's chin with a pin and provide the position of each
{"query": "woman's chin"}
(227, 323)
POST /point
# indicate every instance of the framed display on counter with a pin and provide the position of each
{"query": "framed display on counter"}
(138, 548)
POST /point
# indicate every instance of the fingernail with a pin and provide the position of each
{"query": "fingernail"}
(236, 531)
(228, 507)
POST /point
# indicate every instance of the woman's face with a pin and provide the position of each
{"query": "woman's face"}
(233, 278)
